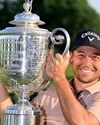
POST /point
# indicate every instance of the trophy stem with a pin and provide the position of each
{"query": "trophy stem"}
(24, 92)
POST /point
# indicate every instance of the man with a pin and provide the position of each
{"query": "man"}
(79, 99)
(85, 59)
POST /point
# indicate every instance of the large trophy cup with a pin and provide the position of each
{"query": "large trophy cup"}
(23, 52)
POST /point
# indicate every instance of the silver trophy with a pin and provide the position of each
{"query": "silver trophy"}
(24, 50)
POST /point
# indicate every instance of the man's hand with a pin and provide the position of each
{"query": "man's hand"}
(57, 66)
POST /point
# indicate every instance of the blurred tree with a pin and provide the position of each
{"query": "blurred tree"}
(72, 15)
(7, 12)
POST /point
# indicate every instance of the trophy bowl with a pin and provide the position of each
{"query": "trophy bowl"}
(23, 56)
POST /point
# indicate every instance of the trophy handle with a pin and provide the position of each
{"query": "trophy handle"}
(57, 39)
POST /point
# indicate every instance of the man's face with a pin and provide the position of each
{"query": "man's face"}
(86, 64)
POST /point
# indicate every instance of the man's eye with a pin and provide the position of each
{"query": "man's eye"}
(81, 55)
(94, 57)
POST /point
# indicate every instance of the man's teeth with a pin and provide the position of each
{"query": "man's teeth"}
(88, 71)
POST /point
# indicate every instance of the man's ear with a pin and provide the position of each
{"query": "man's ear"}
(71, 55)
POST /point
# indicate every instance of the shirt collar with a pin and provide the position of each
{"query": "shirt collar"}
(94, 88)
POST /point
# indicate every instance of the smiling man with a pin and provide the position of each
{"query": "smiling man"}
(79, 98)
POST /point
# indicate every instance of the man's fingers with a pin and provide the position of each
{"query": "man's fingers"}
(67, 56)
(59, 57)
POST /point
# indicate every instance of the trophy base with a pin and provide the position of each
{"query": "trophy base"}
(21, 114)
(9, 119)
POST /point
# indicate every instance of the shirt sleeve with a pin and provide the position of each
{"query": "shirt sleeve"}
(94, 108)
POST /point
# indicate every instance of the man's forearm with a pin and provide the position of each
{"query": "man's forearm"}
(4, 98)
(73, 111)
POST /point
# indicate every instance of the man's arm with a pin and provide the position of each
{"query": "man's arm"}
(73, 111)
(4, 98)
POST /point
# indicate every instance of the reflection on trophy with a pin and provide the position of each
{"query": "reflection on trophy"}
(23, 52)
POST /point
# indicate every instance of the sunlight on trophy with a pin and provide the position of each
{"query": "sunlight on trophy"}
(23, 52)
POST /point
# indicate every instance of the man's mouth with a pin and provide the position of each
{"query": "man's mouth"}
(87, 71)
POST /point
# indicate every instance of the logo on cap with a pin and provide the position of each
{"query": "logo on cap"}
(90, 39)
(92, 34)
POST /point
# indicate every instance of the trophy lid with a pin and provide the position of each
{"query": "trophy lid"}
(27, 17)
(26, 22)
